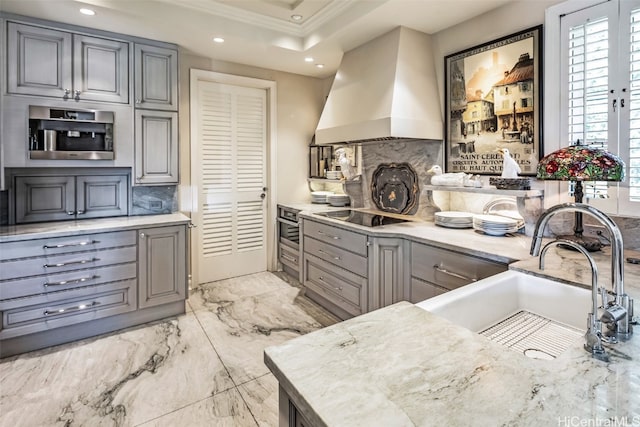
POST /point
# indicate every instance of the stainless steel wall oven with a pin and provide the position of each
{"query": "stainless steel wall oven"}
(289, 240)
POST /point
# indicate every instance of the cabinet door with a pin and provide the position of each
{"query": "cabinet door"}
(156, 148)
(162, 265)
(102, 196)
(388, 273)
(44, 198)
(156, 78)
(101, 69)
(39, 61)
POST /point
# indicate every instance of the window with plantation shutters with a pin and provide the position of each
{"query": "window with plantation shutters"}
(600, 90)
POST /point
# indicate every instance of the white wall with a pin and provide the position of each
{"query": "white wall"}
(299, 104)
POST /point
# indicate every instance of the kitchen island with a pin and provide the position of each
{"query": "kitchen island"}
(401, 365)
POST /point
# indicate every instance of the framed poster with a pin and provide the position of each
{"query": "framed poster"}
(492, 101)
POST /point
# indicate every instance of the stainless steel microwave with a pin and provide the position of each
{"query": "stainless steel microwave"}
(70, 134)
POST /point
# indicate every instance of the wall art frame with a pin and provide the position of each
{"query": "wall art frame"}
(493, 100)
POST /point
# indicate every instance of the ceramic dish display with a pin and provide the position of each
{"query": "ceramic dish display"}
(454, 219)
(338, 200)
(320, 196)
(496, 225)
(394, 187)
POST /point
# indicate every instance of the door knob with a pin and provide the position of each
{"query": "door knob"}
(263, 195)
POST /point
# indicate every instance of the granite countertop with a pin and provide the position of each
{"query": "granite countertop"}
(72, 228)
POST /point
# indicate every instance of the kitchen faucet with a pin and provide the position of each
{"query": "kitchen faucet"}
(593, 336)
(618, 311)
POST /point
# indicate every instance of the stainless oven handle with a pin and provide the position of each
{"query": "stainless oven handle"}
(288, 222)
(289, 258)
(438, 267)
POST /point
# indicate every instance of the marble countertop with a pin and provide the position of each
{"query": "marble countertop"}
(42, 230)
(505, 249)
(403, 366)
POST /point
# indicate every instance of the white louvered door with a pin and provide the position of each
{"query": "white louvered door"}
(232, 136)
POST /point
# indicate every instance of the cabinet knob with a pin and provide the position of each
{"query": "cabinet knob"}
(76, 95)
(138, 101)
(66, 94)
(80, 212)
(71, 213)
(142, 235)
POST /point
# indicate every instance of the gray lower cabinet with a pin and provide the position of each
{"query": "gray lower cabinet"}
(162, 262)
(335, 268)
(61, 289)
(156, 147)
(288, 414)
(388, 271)
(436, 270)
(59, 197)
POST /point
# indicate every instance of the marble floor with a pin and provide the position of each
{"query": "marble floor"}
(204, 368)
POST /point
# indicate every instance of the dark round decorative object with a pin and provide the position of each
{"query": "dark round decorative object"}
(394, 187)
(511, 183)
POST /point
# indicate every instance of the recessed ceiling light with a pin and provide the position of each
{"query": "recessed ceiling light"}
(320, 65)
(218, 39)
(88, 12)
(296, 17)
(308, 59)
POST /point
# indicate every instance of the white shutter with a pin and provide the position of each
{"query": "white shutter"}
(630, 142)
(587, 81)
(233, 134)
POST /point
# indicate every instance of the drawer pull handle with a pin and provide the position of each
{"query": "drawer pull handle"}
(70, 309)
(438, 267)
(70, 282)
(339, 288)
(329, 235)
(68, 245)
(64, 264)
(337, 258)
(289, 258)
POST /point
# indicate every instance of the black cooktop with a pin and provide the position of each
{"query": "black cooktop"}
(361, 218)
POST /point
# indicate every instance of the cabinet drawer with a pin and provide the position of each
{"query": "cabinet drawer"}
(289, 257)
(335, 255)
(449, 269)
(26, 267)
(103, 301)
(344, 289)
(344, 239)
(64, 281)
(421, 290)
(61, 245)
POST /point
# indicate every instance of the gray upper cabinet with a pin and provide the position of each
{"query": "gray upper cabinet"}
(101, 69)
(38, 61)
(59, 64)
(162, 266)
(156, 147)
(54, 198)
(156, 78)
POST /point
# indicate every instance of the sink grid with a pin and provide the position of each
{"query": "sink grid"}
(533, 335)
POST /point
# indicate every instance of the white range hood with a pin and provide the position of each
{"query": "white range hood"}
(384, 90)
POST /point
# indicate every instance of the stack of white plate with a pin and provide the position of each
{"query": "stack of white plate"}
(334, 174)
(453, 219)
(320, 196)
(338, 200)
(496, 225)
